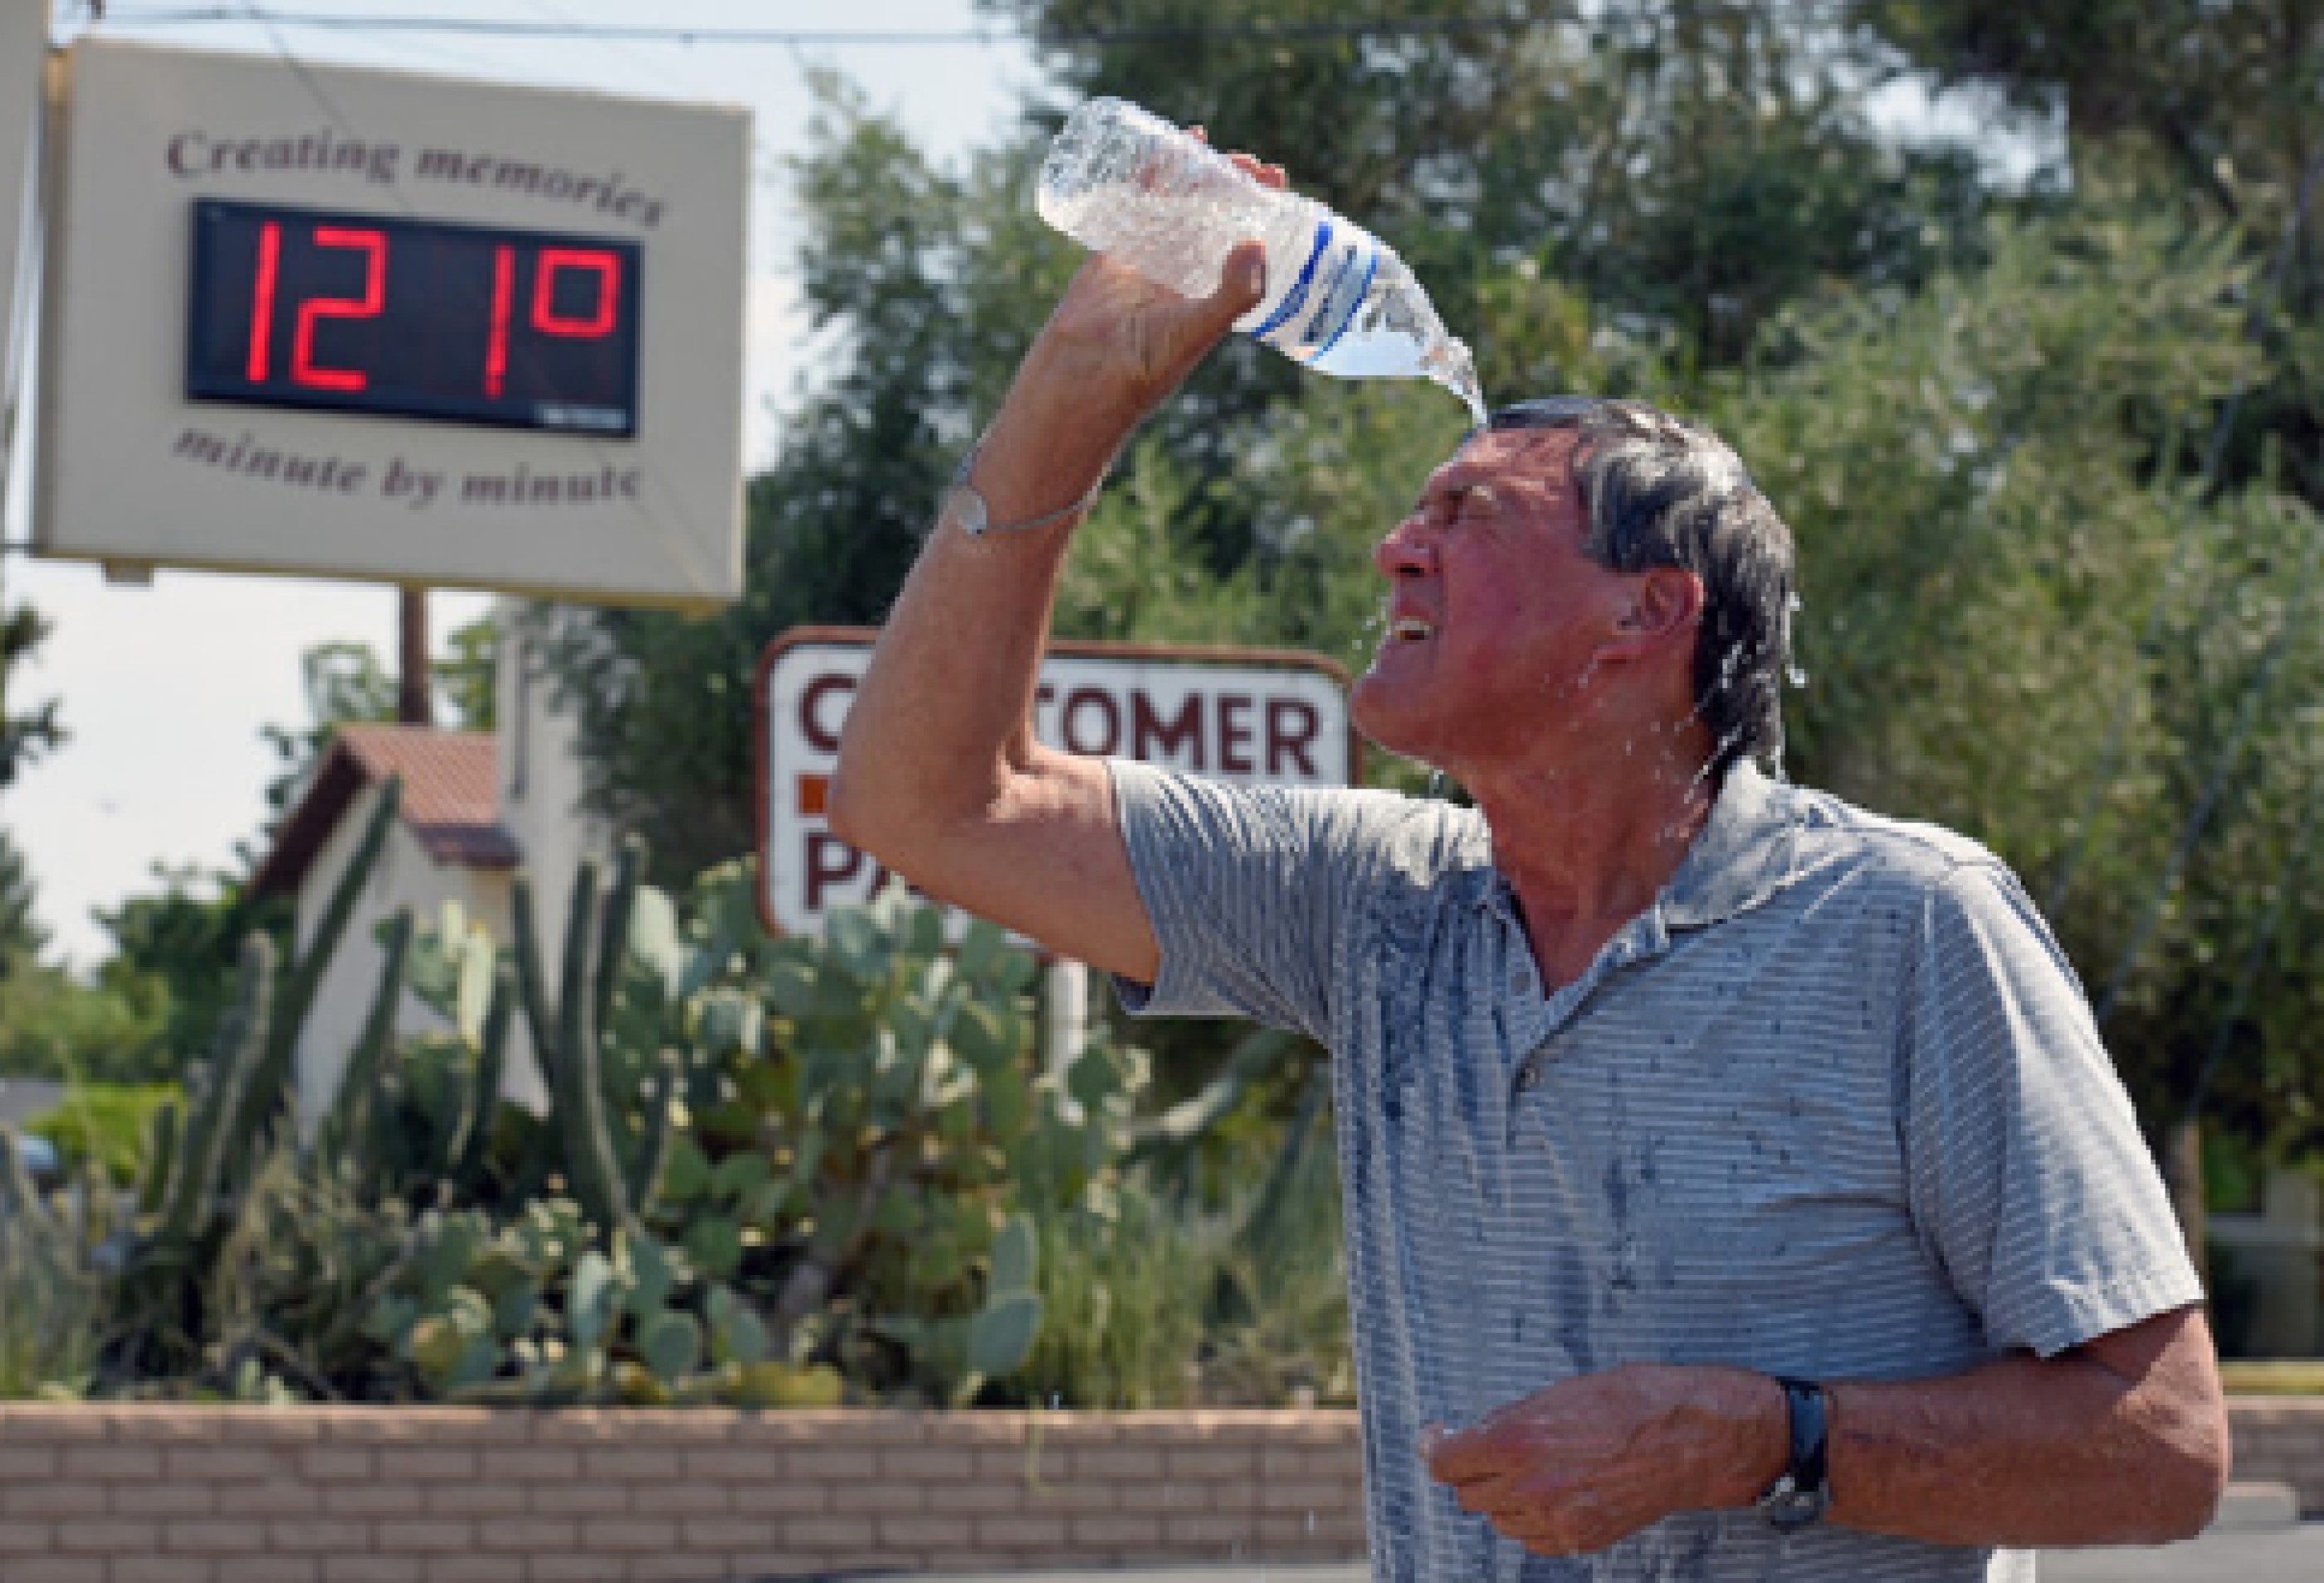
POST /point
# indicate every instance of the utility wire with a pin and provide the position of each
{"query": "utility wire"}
(1256, 29)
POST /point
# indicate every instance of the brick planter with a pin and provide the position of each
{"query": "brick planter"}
(326, 1494)
(167, 1494)
(2279, 1440)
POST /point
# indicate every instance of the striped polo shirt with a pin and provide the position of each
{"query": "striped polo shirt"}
(1834, 1106)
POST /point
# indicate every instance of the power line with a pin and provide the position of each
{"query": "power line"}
(1257, 29)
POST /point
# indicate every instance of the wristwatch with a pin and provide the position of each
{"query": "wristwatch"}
(964, 505)
(1801, 1493)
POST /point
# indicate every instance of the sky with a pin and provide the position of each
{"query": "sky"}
(165, 690)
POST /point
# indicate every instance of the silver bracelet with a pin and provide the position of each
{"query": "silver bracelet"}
(966, 507)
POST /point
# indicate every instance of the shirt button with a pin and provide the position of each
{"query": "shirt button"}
(1520, 980)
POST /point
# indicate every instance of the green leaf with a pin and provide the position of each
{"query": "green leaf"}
(1008, 1103)
(980, 1036)
(1002, 1335)
(857, 944)
(513, 1310)
(714, 1245)
(738, 1176)
(685, 1174)
(1016, 1257)
(737, 1333)
(730, 1021)
(653, 1274)
(1094, 1078)
(790, 988)
(589, 1305)
(670, 1343)
(982, 947)
(446, 1252)
(924, 929)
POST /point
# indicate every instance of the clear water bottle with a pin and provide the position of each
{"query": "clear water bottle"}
(1125, 182)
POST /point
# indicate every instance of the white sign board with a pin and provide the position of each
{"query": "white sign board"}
(380, 325)
(1235, 714)
(23, 58)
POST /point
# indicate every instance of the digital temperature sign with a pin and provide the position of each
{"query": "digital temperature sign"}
(295, 307)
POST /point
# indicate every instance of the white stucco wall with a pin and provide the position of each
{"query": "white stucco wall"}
(540, 783)
(407, 877)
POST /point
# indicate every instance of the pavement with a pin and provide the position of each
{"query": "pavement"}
(2258, 1539)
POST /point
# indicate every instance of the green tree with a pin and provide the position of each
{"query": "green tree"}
(175, 952)
(347, 684)
(22, 938)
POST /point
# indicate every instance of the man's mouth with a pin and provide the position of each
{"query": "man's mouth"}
(1411, 631)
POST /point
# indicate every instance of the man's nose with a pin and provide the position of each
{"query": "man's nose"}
(1405, 551)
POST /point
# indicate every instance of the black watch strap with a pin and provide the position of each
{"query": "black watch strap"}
(1798, 1497)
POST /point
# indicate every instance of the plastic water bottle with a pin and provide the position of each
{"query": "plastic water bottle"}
(1124, 182)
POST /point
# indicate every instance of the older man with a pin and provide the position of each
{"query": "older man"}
(1737, 1186)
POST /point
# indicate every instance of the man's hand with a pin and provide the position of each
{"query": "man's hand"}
(1115, 348)
(1589, 1460)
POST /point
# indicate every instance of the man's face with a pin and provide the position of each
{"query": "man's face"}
(1494, 613)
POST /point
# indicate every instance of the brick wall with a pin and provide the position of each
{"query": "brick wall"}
(2281, 1440)
(167, 1494)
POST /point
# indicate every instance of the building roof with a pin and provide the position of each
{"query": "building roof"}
(451, 799)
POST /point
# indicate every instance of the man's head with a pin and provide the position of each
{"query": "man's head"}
(1661, 491)
(1581, 571)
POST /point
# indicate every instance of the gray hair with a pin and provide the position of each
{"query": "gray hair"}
(1663, 491)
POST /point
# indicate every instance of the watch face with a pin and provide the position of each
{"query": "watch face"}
(965, 507)
(1787, 1506)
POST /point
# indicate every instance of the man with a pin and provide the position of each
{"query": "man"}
(1736, 1185)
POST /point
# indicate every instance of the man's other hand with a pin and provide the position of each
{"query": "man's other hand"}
(1578, 1466)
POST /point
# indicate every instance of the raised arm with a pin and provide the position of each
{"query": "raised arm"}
(939, 775)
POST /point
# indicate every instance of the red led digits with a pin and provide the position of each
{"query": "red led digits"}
(464, 324)
(605, 266)
(496, 348)
(374, 243)
(262, 295)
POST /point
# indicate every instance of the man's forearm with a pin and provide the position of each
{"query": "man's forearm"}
(2071, 1451)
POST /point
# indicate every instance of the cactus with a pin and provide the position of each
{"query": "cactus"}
(359, 1083)
(160, 1159)
(238, 1062)
(492, 1063)
(569, 1050)
(283, 1018)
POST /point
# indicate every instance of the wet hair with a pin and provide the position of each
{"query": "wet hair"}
(1662, 491)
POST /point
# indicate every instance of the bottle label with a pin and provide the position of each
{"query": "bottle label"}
(1322, 302)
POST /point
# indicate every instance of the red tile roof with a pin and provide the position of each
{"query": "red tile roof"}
(451, 799)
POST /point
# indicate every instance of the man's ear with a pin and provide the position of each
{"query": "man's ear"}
(1665, 603)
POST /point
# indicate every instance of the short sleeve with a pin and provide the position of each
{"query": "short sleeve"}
(2028, 1177)
(1248, 890)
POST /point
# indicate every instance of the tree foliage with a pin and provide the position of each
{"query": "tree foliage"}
(2036, 609)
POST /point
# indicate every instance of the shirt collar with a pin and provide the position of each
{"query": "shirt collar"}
(1744, 853)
